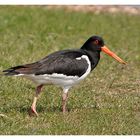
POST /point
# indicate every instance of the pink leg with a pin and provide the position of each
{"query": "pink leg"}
(64, 100)
(33, 107)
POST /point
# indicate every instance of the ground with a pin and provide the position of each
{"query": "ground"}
(106, 102)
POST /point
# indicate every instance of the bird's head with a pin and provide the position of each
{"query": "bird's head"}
(96, 43)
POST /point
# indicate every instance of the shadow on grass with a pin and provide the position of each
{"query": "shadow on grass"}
(55, 109)
(39, 109)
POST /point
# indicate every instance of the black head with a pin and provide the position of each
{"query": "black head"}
(94, 43)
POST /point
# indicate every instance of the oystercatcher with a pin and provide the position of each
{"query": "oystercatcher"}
(64, 68)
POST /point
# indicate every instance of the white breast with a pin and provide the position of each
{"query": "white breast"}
(89, 66)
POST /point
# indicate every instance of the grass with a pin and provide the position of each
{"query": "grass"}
(107, 102)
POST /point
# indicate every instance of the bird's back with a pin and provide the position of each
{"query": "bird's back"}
(64, 62)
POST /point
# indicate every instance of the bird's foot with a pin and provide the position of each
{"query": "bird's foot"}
(33, 112)
(64, 110)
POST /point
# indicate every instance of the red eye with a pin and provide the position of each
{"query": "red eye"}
(96, 42)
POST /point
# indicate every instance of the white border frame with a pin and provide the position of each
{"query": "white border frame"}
(70, 2)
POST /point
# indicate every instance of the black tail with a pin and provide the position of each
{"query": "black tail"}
(13, 71)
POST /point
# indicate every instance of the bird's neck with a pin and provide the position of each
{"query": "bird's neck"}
(94, 55)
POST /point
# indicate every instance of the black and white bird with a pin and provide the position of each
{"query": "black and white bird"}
(64, 68)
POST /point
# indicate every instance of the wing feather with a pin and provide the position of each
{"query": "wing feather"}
(61, 62)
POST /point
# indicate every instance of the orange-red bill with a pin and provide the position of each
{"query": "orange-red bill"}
(112, 54)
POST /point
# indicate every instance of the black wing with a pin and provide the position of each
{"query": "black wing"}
(61, 62)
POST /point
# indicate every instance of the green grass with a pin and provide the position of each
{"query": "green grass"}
(106, 102)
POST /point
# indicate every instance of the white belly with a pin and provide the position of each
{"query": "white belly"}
(56, 79)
